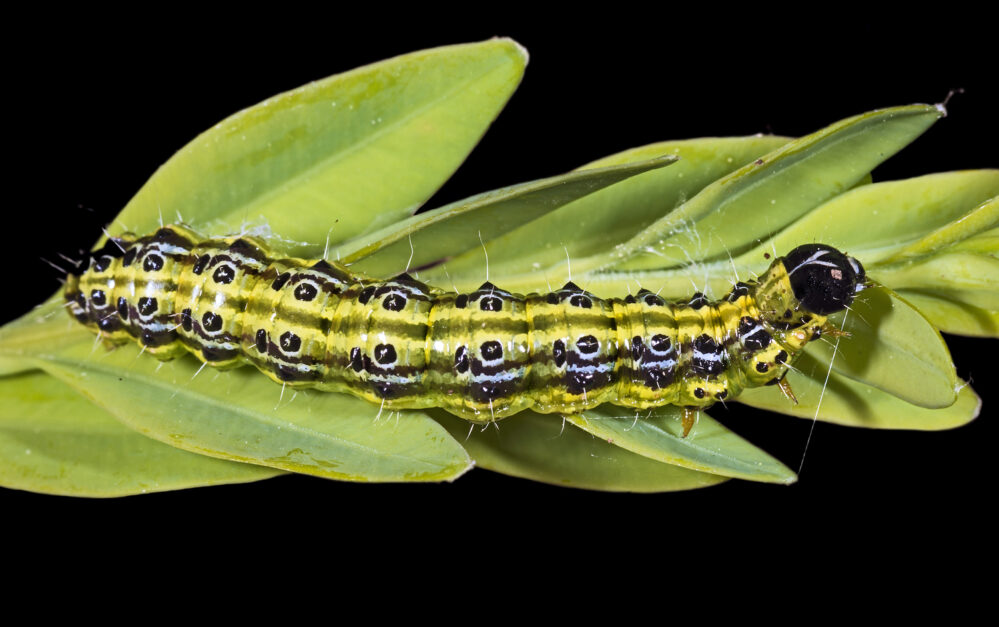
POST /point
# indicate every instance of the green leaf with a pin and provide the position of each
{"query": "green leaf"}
(46, 327)
(884, 220)
(594, 224)
(539, 447)
(237, 415)
(848, 402)
(949, 313)
(975, 277)
(709, 447)
(734, 213)
(13, 365)
(985, 243)
(957, 291)
(52, 440)
(458, 227)
(980, 219)
(347, 155)
(892, 347)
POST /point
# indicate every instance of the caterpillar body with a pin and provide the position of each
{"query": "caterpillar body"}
(483, 355)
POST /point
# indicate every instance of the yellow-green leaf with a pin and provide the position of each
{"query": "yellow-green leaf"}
(951, 314)
(883, 220)
(345, 155)
(849, 402)
(541, 448)
(974, 276)
(46, 327)
(529, 256)
(53, 440)
(985, 243)
(892, 347)
(709, 447)
(459, 227)
(732, 214)
(982, 218)
(237, 415)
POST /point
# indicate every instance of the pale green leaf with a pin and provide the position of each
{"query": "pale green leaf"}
(880, 221)
(237, 415)
(526, 258)
(345, 155)
(734, 213)
(709, 447)
(13, 365)
(985, 243)
(981, 219)
(459, 227)
(53, 440)
(849, 402)
(891, 347)
(541, 448)
(46, 327)
(951, 314)
(975, 276)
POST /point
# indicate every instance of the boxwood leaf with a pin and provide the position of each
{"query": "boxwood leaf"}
(55, 441)
(593, 225)
(542, 448)
(949, 312)
(849, 402)
(981, 219)
(238, 416)
(709, 447)
(878, 222)
(892, 347)
(459, 227)
(732, 214)
(315, 160)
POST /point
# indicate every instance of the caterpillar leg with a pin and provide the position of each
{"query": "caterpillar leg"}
(831, 331)
(689, 418)
(785, 387)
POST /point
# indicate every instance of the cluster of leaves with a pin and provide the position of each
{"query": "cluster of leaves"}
(76, 419)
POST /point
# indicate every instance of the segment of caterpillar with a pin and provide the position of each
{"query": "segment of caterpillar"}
(481, 356)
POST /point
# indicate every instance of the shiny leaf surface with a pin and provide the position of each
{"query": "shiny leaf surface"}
(238, 416)
(460, 227)
(315, 160)
(849, 402)
(732, 214)
(709, 447)
(541, 448)
(54, 440)
(593, 225)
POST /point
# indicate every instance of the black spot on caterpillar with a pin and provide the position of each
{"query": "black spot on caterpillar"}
(403, 344)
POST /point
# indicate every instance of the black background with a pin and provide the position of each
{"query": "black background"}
(94, 108)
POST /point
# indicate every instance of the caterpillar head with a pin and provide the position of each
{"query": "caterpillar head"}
(823, 279)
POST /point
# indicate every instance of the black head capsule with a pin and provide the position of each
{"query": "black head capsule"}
(823, 279)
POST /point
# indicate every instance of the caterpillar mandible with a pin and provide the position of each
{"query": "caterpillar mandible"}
(483, 355)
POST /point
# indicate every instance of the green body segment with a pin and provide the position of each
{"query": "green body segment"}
(401, 344)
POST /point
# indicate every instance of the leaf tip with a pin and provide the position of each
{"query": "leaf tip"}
(469, 465)
(790, 478)
(516, 47)
(978, 400)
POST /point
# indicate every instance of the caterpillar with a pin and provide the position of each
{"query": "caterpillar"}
(483, 355)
